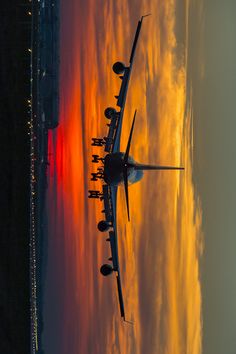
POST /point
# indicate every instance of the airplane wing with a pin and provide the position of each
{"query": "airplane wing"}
(112, 145)
(114, 133)
(110, 200)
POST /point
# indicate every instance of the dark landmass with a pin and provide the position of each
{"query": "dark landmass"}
(16, 286)
(45, 108)
(14, 178)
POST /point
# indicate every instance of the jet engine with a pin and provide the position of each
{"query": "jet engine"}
(103, 226)
(106, 269)
(109, 112)
(118, 68)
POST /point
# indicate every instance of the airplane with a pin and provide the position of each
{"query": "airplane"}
(117, 168)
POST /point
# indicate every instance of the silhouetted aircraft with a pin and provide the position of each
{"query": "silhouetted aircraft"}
(117, 168)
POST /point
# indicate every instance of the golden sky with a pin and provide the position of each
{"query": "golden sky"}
(160, 248)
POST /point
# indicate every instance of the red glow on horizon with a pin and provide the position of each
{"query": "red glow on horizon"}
(50, 154)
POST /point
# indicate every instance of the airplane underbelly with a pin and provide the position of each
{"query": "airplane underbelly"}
(113, 169)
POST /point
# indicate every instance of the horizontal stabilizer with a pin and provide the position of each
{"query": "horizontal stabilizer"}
(130, 138)
(125, 168)
(121, 302)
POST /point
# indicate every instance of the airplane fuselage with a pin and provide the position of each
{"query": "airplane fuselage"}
(114, 166)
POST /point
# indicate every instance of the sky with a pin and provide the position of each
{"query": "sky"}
(174, 263)
(213, 75)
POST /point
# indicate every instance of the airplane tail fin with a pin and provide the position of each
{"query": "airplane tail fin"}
(144, 167)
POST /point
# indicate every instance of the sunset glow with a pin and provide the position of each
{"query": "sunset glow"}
(160, 248)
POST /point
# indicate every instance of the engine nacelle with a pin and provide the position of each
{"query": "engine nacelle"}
(118, 68)
(106, 269)
(109, 112)
(103, 226)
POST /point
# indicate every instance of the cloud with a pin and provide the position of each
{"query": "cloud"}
(159, 248)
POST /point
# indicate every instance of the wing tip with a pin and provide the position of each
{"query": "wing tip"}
(145, 16)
